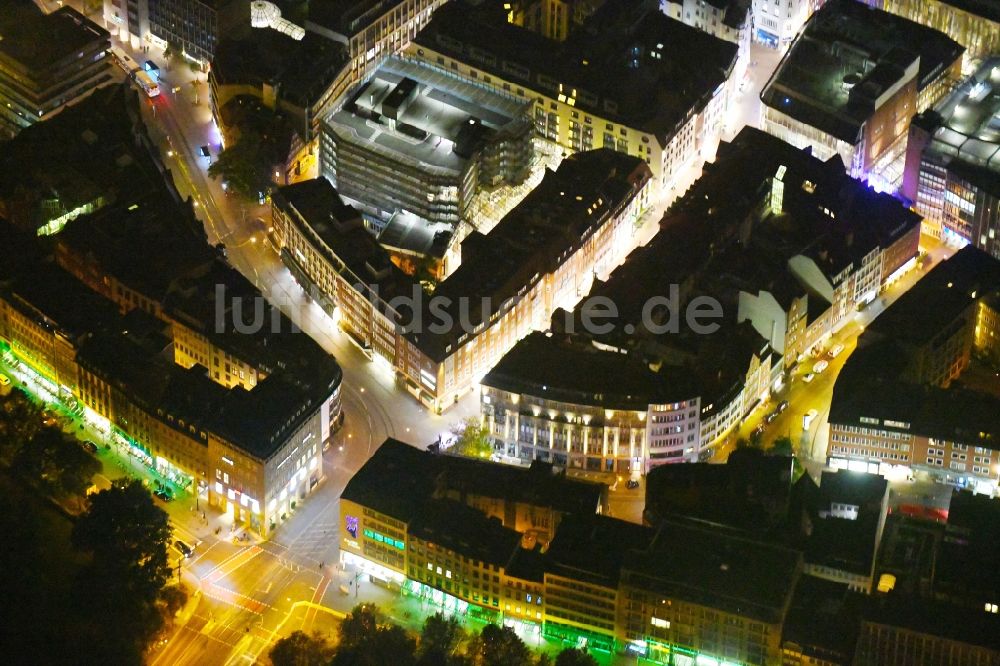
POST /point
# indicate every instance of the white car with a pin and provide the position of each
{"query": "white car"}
(808, 377)
(820, 367)
(835, 351)
(807, 419)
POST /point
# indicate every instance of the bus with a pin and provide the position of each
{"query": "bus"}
(146, 82)
(123, 60)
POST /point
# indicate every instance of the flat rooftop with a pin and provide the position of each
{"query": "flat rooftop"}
(466, 531)
(578, 373)
(35, 40)
(715, 567)
(343, 238)
(849, 55)
(966, 123)
(628, 63)
(550, 221)
(431, 129)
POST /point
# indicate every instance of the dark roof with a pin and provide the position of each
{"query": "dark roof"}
(349, 17)
(86, 154)
(823, 620)
(750, 492)
(34, 39)
(539, 485)
(627, 62)
(856, 488)
(530, 240)
(396, 481)
(966, 564)
(398, 477)
(714, 567)
(301, 70)
(869, 386)
(846, 37)
(139, 363)
(933, 619)
(578, 373)
(343, 239)
(59, 302)
(466, 531)
(593, 548)
(844, 544)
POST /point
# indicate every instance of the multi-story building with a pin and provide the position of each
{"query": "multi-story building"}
(846, 529)
(628, 78)
(46, 62)
(907, 631)
(194, 27)
(541, 256)
(952, 168)
(726, 19)
(975, 24)
(678, 591)
(384, 502)
(777, 24)
(293, 77)
(105, 157)
(411, 140)
(45, 315)
(893, 406)
(787, 266)
(850, 84)
(554, 19)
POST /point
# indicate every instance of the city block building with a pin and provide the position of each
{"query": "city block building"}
(46, 62)
(975, 24)
(788, 263)
(730, 20)
(927, 422)
(413, 140)
(952, 168)
(851, 82)
(628, 78)
(542, 255)
(672, 595)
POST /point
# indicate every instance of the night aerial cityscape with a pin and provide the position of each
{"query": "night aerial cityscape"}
(500, 333)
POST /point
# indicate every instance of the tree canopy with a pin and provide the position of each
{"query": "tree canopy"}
(473, 439)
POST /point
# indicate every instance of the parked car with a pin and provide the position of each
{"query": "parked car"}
(163, 495)
(820, 366)
(835, 351)
(808, 377)
(769, 419)
(89, 445)
(782, 406)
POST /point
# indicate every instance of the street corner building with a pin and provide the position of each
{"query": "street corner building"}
(407, 522)
(789, 263)
(172, 355)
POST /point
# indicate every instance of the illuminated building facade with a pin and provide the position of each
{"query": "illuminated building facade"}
(46, 62)
(581, 219)
(777, 24)
(850, 84)
(601, 583)
(919, 346)
(413, 139)
(584, 94)
(952, 167)
(975, 24)
(627, 398)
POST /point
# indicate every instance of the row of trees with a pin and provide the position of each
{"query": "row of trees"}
(365, 639)
(42, 455)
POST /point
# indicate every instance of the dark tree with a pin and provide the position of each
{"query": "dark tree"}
(440, 638)
(782, 446)
(245, 166)
(20, 421)
(499, 646)
(360, 626)
(574, 657)
(56, 463)
(301, 649)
